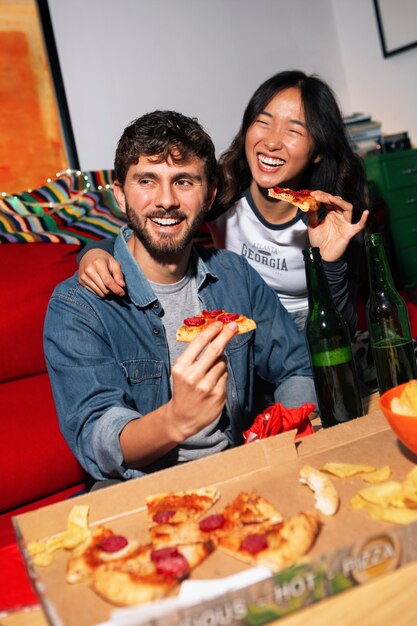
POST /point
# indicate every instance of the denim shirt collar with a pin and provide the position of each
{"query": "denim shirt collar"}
(137, 285)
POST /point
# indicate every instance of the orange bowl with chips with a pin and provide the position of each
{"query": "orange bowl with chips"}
(399, 405)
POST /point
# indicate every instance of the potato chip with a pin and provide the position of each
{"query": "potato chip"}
(406, 404)
(345, 470)
(378, 476)
(43, 559)
(72, 539)
(36, 547)
(40, 553)
(77, 531)
(409, 394)
(388, 500)
(393, 514)
(55, 542)
(382, 494)
(410, 500)
(402, 408)
(398, 501)
(410, 481)
(78, 518)
(412, 474)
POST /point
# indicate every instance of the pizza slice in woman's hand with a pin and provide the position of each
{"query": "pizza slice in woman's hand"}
(301, 198)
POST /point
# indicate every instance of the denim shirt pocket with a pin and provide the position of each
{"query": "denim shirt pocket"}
(240, 342)
(239, 352)
(142, 371)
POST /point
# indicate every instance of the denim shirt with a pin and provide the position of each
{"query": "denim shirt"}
(108, 359)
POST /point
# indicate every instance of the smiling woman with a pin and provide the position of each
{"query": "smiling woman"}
(292, 136)
(279, 129)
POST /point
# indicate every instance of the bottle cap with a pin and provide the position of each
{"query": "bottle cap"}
(373, 239)
(311, 253)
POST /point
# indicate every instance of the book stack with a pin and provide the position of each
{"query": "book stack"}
(363, 132)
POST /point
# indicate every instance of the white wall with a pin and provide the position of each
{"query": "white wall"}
(384, 87)
(122, 58)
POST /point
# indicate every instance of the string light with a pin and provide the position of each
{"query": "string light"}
(55, 206)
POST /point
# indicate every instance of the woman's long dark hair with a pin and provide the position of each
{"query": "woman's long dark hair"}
(339, 171)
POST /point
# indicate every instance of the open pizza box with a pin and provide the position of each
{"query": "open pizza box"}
(350, 550)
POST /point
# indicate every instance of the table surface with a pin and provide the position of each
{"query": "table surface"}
(390, 599)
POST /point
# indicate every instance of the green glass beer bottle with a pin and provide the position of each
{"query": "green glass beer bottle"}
(388, 321)
(330, 349)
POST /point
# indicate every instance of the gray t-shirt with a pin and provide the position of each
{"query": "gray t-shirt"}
(178, 301)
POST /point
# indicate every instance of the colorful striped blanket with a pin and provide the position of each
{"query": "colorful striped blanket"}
(74, 207)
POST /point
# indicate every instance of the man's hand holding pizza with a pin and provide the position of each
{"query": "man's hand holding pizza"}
(198, 397)
(200, 380)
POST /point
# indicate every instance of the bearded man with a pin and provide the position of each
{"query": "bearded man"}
(130, 398)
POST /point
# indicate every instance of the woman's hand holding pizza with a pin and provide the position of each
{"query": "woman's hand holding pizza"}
(200, 380)
(333, 233)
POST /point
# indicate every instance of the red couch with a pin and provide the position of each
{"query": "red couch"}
(36, 465)
(41, 231)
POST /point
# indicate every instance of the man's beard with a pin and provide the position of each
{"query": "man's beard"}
(164, 244)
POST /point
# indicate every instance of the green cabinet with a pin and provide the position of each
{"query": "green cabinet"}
(394, 175)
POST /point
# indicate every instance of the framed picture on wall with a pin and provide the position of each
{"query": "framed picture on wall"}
(397, 25)
(35, 127)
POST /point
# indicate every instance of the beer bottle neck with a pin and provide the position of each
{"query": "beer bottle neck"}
(380, 277)
(317, 286)
(386, 311)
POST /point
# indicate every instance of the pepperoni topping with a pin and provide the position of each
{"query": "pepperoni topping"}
(228, 317)
(164, 553)
(170, 562)
(173, 566)
(301, 193)
(163, 517)
(212, 522)
(212, 314)
(194, 321)
(114, 543)
(254, 544)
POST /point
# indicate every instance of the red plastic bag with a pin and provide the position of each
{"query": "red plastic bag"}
(278, 419)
